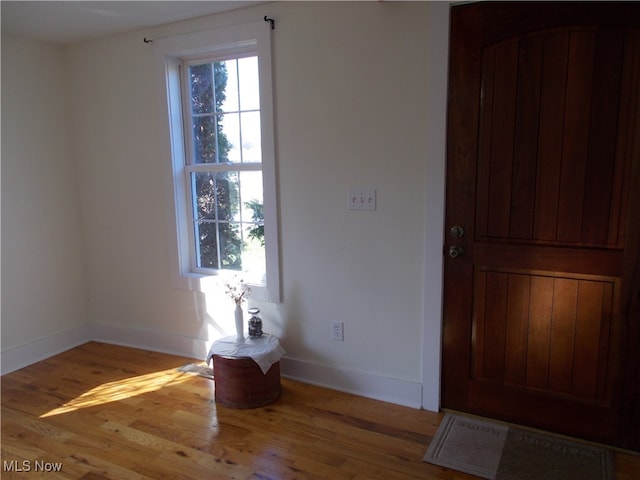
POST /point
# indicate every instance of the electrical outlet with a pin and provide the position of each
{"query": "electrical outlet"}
(337, 331)
(362, 199)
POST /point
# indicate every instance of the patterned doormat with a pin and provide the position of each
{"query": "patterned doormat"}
(498, 452)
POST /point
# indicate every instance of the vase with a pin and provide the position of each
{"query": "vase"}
(239, 323)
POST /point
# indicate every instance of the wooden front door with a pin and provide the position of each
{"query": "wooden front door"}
(541, 307)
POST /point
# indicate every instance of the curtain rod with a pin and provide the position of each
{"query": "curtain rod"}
(266, 19)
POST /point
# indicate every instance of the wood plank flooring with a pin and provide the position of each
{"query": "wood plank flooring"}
(102, 412)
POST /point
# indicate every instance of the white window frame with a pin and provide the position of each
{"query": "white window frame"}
(169, 54)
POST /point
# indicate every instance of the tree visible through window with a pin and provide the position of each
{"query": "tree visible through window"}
(224, 165)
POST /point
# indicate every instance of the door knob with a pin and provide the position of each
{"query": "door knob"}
(456, 251)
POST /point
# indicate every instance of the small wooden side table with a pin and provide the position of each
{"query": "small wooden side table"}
(239, 371)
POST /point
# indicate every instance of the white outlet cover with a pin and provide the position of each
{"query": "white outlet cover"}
(362, 199)
(337, 331)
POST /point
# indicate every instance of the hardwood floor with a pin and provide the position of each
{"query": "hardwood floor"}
(107, 412)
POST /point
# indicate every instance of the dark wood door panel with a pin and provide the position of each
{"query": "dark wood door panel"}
(544, 332)
(547, 163)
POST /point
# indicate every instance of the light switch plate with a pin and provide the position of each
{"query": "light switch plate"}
(362, 199)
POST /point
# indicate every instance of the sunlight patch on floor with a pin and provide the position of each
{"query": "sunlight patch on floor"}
(120, 390)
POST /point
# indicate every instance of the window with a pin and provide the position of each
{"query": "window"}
(224, 165)
(217, 87)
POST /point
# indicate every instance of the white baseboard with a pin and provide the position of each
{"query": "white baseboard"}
(27, 354)
(157, 341)
(392, 390)
(363, 384)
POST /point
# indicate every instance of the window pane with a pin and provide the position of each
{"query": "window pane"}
(226, 86)
(253, 256)
(200, 78)
(230, 246)
(251, 142)
(204, 139)
(206, 245)
(229, 138)
(227, 195)
(249, 83)
(217, 196)
(251, 196)
(204, 203)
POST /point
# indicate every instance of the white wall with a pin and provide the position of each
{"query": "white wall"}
(43, 288)
(352, 109)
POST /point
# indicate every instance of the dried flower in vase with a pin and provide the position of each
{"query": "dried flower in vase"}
(236, 289)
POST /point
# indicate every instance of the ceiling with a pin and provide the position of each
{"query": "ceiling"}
(67, 22)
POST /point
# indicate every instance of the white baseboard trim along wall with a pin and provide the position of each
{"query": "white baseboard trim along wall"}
(364, 384)
(34, 351)
(157, 341)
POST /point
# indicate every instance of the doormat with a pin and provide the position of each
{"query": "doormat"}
(499, 452)
(197, 369)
